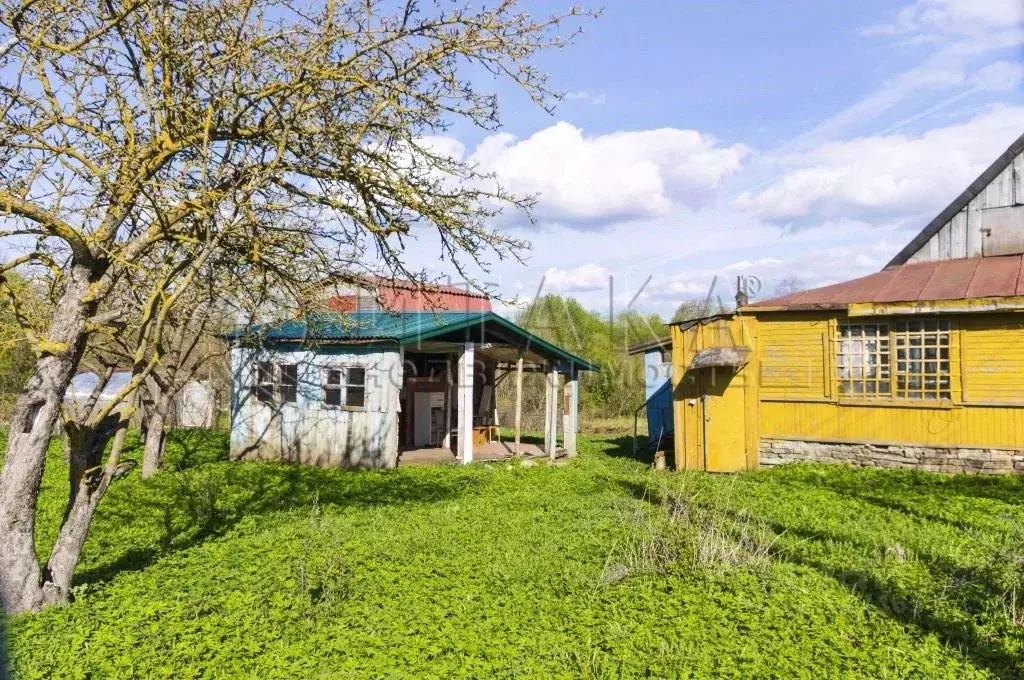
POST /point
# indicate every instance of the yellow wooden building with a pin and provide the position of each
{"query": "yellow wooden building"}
(920, 365)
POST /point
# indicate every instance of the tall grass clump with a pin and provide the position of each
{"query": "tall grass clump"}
(691, 527)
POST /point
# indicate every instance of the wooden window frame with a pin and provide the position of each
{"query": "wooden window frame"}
(268, 378)
(342, 387)
(864, 352)
(900, 331)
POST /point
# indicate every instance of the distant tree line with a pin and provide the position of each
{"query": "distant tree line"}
(614, 392)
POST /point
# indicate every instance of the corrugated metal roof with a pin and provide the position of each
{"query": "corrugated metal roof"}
(978, 277)
(402, 328)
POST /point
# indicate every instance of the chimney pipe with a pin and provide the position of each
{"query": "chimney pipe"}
(742, 300)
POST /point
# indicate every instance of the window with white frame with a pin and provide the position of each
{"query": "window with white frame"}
(903, 359)
(345, 386)
(275, 382)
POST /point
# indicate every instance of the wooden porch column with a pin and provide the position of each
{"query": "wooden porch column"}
(551, 419)
(519, 400)
(572, 411)
(448, 385)
(465, 378)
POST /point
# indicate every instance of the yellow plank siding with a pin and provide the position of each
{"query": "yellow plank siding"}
(987, 380)
(968, 426)
(792, 357)
(993, 358)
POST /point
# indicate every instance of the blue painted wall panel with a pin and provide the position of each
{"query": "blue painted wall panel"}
(658, 382)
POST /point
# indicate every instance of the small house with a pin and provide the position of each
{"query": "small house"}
(920, 365)
(396, 370)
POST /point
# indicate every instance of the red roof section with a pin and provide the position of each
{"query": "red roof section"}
(976, 277)
(396, 295)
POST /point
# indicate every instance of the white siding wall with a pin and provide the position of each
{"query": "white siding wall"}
(999, 207)
(307, 431)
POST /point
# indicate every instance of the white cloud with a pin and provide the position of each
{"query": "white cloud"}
(597, 99)
(585, 180)
(960, 39)
(587, 277)
(999, 76)
(884, 176)
(931, 19)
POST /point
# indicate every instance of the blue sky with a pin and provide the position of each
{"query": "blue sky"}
(775, 139)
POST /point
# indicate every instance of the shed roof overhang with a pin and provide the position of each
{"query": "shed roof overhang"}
(732, 356)
(663, 344)
(410, 329)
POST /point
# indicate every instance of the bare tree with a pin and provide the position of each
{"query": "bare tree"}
(789, 285)
(270, 137)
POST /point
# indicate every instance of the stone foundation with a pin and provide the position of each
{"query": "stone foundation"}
(930, 459)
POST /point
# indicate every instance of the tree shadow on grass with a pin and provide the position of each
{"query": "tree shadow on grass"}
(957, 625)
(622, 447)
(140, 522)
(874, 482)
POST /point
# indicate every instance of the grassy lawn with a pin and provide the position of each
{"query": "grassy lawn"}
(598, 569)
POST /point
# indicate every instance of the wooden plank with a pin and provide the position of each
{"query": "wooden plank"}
(1018, 180)
(465, 387)
(999, 192)
(519, 400)
(572, 430)
(752, 426)
(551, 437)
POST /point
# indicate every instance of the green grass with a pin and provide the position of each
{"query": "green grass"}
(218, 569)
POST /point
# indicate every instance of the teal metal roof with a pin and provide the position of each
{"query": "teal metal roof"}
(403, 328)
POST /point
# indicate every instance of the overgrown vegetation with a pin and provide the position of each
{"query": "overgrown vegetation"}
(615, 391)
(220, 569)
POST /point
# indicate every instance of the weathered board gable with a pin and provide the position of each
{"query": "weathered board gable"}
(986, 220)
(307, 430)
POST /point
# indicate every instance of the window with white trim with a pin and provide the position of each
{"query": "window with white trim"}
(345, 386)
(275, 382)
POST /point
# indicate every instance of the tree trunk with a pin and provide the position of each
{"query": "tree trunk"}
(92, 483)
(156, 422)
(31, 426)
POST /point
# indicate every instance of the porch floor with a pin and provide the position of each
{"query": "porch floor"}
(490, 451)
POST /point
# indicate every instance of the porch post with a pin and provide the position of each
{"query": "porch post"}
(551, 402)
(519, 399)
(449, 383)
(465, 377)
(572, 408)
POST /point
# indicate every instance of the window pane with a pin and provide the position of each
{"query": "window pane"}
(356, 376)
(263, 381)
(332, 396)
(354, 396)
(289, 382)
(334, 376)
(264, 372)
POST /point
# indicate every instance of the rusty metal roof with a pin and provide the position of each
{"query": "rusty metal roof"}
(977, 277)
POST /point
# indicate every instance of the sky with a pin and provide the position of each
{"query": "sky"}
(798, 140)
